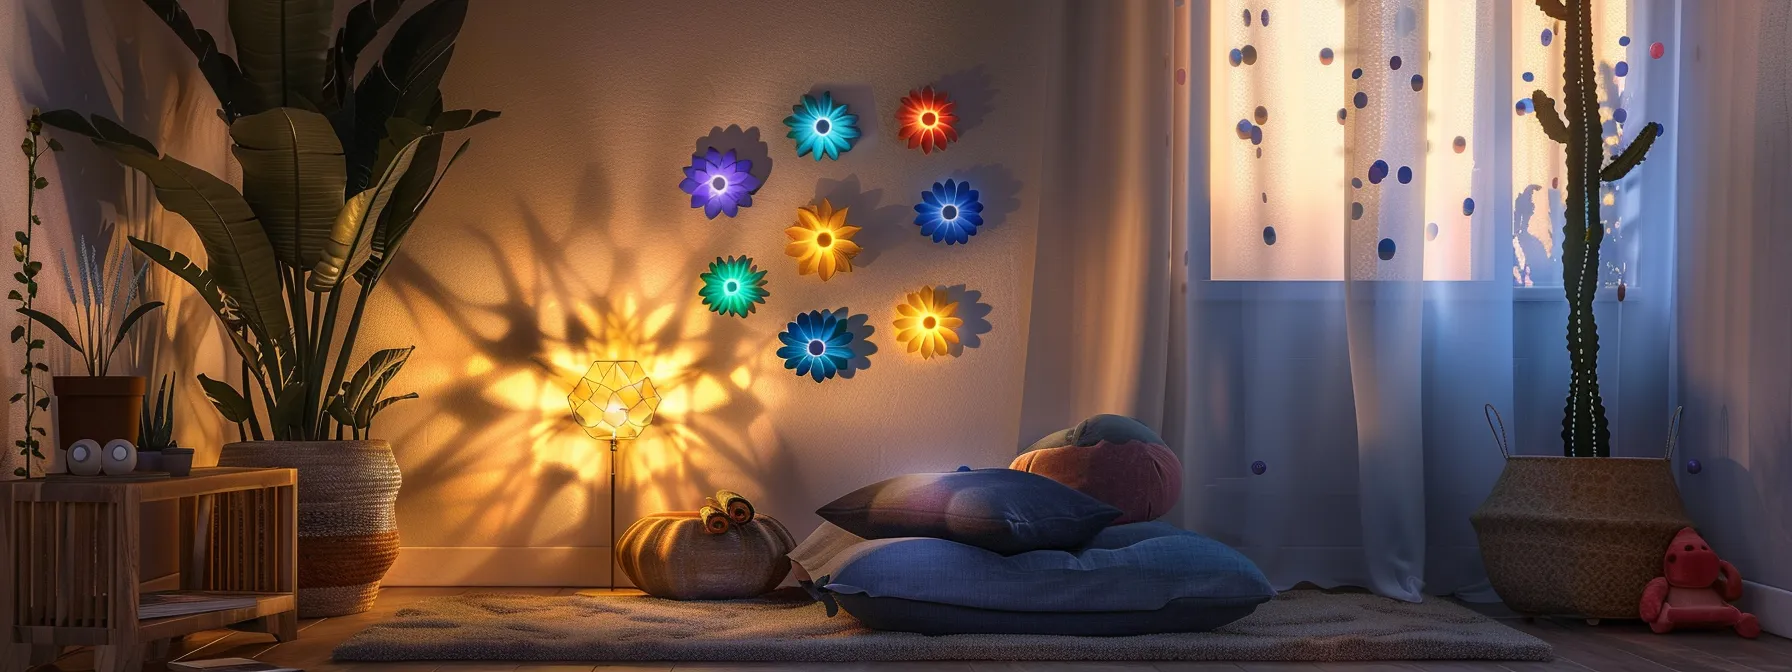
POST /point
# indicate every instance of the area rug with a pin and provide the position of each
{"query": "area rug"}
(786, 626)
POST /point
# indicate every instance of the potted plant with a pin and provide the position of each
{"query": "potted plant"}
(97, 406)
(156, 448)
(1580, 534)
(34, 396)
(334, 174)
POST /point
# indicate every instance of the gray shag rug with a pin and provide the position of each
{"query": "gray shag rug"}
(786, 626)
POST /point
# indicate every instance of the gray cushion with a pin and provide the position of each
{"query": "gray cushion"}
(1126, 568)
(1000, 510)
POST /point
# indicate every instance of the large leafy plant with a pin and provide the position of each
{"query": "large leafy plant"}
(335, 173)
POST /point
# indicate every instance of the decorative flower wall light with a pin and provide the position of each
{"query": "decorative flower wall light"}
(733, 286)
(822, 127)
(927, 323)
(950, 212)
(614, 400)
(817, 345)
(925, 120)
(719, 183)
(821, 241)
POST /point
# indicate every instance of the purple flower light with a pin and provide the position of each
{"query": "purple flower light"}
(719, 183)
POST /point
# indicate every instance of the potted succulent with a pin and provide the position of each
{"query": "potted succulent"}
(97, 406)
(1580, 534)
(334, 173)
(156, 449)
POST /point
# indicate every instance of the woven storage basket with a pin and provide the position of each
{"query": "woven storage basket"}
(348, 521)
(1578, 536)
(669, 555)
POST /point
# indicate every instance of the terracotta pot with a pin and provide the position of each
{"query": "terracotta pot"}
(348, 518)
(101, 408)
(1578, 536)
(669, 555)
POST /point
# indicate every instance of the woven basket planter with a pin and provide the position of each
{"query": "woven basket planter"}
(669, 555)
(348, 520)
(1578, 536)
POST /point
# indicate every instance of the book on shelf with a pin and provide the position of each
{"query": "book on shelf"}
(184, 602)
(227, 665)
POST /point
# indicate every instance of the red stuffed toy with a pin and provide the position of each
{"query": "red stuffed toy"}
(1696, 590)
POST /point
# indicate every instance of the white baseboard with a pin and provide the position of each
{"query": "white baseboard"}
(1772, 605)
(577, 566)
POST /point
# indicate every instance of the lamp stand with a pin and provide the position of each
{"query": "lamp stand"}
(613, 535)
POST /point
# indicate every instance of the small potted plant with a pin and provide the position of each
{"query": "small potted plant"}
(158, 450)
(98, 406)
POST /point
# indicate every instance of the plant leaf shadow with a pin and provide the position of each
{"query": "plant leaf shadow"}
(975, 314)
(882, 228)
(746, 145)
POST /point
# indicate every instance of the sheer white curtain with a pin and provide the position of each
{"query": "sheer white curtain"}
(1352, 305)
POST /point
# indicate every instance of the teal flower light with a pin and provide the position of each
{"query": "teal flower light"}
(733, 286)
(822, 127)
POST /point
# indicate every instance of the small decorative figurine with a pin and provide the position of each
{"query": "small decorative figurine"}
(1696, 590)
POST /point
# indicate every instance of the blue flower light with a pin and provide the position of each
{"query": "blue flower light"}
(822, 127)
(817, 345)
(949, 212)
(719, 183)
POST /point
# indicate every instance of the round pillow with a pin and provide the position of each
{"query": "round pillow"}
(669, 555)
(1114, 459)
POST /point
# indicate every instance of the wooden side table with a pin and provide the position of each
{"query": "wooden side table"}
(70, 572)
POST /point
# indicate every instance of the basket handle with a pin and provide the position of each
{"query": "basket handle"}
(1673, 433)
(1497, 425)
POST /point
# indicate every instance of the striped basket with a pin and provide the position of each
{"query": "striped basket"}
(348, 522)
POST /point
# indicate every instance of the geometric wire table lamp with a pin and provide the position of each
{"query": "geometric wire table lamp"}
(614, 402)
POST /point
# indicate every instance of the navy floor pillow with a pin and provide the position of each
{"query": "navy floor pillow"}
(1000, 510)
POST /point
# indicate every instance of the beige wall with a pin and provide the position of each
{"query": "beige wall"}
(562, 237)
(111, 57)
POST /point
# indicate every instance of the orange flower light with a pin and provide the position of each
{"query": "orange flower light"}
(927, 323)
(926, 119)
(821, 241)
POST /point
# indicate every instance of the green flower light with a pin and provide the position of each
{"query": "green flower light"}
(733, 286)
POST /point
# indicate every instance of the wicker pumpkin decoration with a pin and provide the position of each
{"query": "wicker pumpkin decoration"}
(669, 555)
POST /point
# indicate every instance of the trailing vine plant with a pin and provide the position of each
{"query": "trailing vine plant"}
(34, 396)
(1584, 429)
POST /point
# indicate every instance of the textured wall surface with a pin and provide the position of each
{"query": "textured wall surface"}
(562, 237)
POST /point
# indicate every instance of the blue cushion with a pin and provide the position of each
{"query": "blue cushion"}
(1000, 510)
(1135, 567)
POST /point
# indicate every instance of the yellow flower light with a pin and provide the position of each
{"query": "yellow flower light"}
(821, 241)
(927, 323)
(615, 400)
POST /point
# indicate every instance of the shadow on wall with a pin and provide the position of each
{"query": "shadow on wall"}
(973, 94)
(531, 337)
(883, 226)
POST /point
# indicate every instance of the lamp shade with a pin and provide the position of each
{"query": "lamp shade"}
(615, 400)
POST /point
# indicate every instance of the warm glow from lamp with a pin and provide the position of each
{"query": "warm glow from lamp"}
(614, 400)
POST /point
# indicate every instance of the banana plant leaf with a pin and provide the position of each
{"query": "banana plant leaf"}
(221, 71)
(358, 30)
(356, 400)
(228, 401)
(242, 260)
(282, 46)
(293, 177)
(221, 304)
(405, 83)
(351, 238)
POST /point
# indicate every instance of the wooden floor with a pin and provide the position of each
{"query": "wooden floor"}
(1610, 646)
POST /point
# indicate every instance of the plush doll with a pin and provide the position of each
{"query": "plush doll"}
(1695, 590)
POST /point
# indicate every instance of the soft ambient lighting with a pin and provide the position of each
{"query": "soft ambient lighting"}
(733, 286)
(950, 212)
(719, 183)
(822, 127)
(821, 241)
(816, 344)
(926, 120)
(927, 323)
(614, 400)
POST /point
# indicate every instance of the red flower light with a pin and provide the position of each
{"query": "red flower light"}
(926, 120)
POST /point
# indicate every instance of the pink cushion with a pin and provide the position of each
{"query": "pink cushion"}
(1141, 479)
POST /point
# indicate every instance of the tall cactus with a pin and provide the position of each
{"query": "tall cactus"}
(1584, 429)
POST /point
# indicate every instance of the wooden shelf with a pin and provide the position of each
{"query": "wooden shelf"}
(266, 604)
(203, 481)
